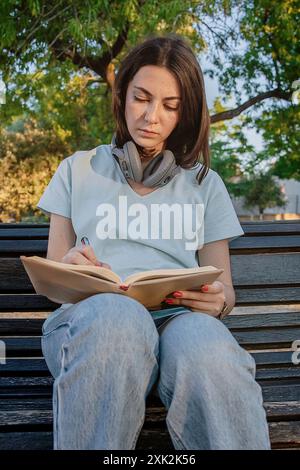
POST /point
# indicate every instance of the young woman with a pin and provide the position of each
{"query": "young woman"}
(106, 353)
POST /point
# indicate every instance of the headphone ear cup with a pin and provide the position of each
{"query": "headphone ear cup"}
(159, 171)
(133, 161)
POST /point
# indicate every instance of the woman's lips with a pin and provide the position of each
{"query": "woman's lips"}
(147, 132)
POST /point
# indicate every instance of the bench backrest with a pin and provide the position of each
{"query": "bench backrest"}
(266, 274)
(265, 264)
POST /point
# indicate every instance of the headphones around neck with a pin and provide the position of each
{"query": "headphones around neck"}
(159, 171)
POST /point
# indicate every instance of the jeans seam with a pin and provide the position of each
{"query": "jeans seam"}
(62, 370)
(165, 389)
(136, 436)
(175, 436)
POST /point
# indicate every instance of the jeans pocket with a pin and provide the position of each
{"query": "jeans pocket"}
(57, 318)
(55, 332)
(52, 347)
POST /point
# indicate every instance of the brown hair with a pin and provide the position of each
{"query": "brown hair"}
(189, 141)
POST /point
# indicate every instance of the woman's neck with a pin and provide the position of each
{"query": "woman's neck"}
(147, 155)
(145, 161)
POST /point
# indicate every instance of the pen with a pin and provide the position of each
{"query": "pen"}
(85, 241)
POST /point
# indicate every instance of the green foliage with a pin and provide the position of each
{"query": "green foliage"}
(262, 191)
(280, 129)
(59, 97)
(28, 160)
(263, 53)
(229, 148)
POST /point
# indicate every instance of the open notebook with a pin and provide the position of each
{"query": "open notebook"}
(70, 283)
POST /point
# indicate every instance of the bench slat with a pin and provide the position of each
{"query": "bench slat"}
(26, 417)
(266, 337)
(276, 390)
(25, 404)
(24, 366)
(276, 411)
(27, 247)
(283, 435)
(39, 440)
(26, 302)
(263, 320)
(263, 296)
(264, 227)
(26, 382)
(276, 373)
(278, 268)
(281, 411)
(33, 326)
(26, 411)
(287, 392)
(38, 365)
(40, 382)
(265, 269)
(31, 345)
(266, 243)
(25, 243)
(273, 227)
(267, 296)
(24, 233)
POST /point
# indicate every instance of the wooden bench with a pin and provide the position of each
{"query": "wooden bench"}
(266, 273)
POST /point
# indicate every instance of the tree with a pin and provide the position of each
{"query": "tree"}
(28, 159)
(228, 149)
(59, 59)
(93, 36)
(263, 192)
(263, 53)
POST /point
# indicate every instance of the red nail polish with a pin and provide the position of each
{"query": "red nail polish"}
(205, 288)
(124, 287)
(169, 301)
(177, 294)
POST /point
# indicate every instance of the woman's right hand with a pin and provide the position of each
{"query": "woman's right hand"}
(83, 255)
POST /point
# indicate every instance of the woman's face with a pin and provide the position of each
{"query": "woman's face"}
(152, 104)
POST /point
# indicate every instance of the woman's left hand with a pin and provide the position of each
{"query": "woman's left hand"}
(209, 298)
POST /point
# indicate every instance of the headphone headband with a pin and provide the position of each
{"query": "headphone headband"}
(159, 171)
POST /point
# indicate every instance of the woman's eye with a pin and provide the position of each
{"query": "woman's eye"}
(143, 100)
(140, 99)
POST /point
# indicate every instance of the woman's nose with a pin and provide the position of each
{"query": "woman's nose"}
(151, 114)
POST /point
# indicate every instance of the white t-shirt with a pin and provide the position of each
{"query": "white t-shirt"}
(133, 233)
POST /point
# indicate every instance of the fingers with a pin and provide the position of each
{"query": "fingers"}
(88, 252)
(213, 308)
(84, 255)
(213, 288)
(105, 265)
(206, 293)
(193, 295)
(208, 300)
(194, 305)
(78, 258)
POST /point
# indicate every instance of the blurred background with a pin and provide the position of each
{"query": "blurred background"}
(58, 62)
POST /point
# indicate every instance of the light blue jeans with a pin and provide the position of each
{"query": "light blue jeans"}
(106, 355)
